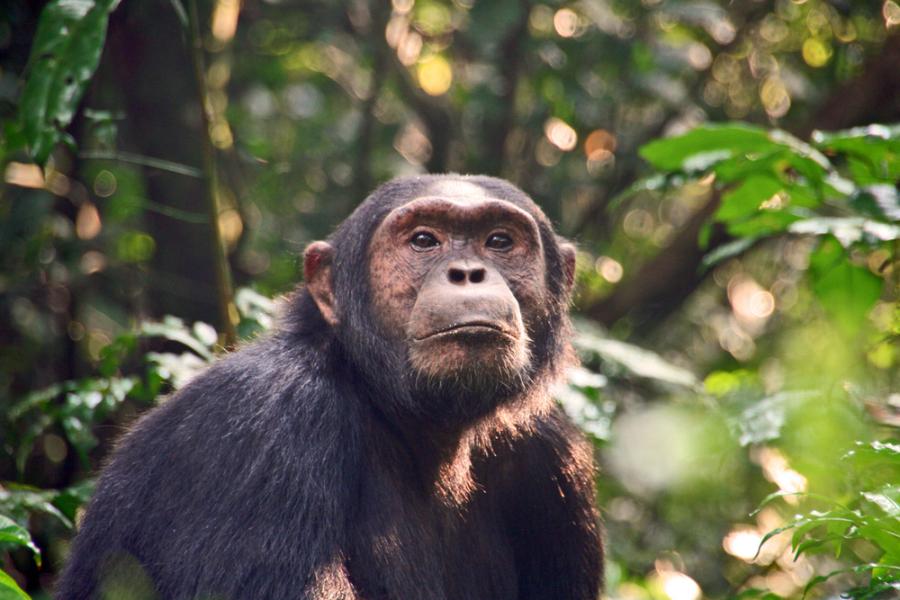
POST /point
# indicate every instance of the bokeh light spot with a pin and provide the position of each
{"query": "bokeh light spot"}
(775, 97)
(609, 269)
(231, 225)
(891, 12)
(87, 223)
(600, 144)
(742, 542)
(434, 75)
(565, 21)
(816, 53)
(560, 134)
(225, 19)
(24, 175)
(105, 184)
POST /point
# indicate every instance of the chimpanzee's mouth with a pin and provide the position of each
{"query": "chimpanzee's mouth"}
(469, 328)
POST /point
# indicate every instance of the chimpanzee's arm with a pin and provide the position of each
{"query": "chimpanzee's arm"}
(551, 514)
(236, 487)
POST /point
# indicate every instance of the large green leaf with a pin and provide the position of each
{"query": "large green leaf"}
(745, 200)
(64, 56)
(636, 360)
(11, 533)
(712, 141)
(845, 290)
(10, 590)
(873, 151)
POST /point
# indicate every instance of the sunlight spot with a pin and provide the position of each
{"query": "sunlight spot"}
(560, 134)
(105, 184)
(777, 470)
(565, 21)
(609, 269)
(434, 75)
(231, 226)
(92, 262)
(402, 7)
(409, 48)
(225, 19)
(24, 175)
(699, 56)
(891, 12)
(540, 20)
(742, 542)
(816, 53)
(87, 223)
(675, 584)
(775, 97)
(749, 300)
(413, 144)
(600, 144)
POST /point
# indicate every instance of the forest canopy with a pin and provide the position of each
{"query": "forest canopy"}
(728, 170)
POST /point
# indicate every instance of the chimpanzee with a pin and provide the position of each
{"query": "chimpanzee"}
(394, 438)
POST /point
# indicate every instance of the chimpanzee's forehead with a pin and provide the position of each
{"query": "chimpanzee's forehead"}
(456, 190)
(471, 191)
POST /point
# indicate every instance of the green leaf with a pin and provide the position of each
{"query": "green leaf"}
(64, 56)
(745, 200)
(886, 500)
(10, 590)
(672, 154)
(729, 250)
(880, 201)
(175, 330)
(13, 533)
(883, 536)
(874, 454)
(765, 223)
(182, 15)
(69, 500)
(764, 420)
(846, 291)
(20, 500)
(873, 151)
(639, 361)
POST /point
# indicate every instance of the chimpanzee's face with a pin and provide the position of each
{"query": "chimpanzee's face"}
(459, 278)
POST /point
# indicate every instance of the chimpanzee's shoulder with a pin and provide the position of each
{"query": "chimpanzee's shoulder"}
(268, 389)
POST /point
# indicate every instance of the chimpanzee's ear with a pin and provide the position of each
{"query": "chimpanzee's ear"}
(567, 249)
(317, 260)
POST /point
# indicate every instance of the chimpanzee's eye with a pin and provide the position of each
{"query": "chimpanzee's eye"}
(422, 240)
(499, 241)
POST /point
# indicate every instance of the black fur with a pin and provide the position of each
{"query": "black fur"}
(302, 467)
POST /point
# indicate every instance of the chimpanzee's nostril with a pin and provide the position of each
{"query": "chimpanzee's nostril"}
(476, 275)
(456, 275)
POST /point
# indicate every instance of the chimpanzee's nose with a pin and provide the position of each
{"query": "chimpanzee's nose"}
(462, 272)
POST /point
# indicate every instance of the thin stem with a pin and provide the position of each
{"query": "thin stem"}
(143, 161)
(228, 314)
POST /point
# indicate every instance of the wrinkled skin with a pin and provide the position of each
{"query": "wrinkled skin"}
(394, 438)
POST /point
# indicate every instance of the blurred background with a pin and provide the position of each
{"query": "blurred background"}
(729, 171)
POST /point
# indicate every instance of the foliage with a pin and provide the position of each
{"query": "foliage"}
(869, 518)
(64, 56)
(769, 184)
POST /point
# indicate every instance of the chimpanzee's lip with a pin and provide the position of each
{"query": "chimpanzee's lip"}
(476, 327)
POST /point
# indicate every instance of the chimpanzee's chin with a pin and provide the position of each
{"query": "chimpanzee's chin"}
(463, 397)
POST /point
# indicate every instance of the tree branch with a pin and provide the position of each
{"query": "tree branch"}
(228, 315)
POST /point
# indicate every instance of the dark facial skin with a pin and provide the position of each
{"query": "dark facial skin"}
(455, 277)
